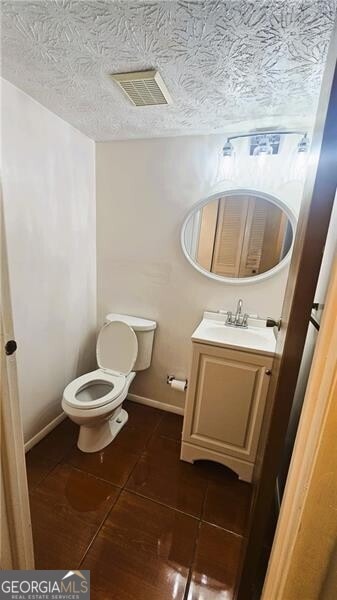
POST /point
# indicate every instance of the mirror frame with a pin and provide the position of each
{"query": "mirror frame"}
(240, 192)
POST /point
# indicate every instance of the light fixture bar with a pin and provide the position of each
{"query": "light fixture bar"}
(266, 142)
(263, 133)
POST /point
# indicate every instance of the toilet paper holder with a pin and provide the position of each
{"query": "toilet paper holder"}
(171, 378)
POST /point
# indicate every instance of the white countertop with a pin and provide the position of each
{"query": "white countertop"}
(255, 338)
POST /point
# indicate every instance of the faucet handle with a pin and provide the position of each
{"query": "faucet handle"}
(245, 320)
(229, 317)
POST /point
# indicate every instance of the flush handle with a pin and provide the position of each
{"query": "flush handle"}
(10, 347)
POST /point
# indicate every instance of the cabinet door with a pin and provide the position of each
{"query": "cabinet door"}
(226, 400)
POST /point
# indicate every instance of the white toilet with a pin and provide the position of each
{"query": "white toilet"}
(94, 400)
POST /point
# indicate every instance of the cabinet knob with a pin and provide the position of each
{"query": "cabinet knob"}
(268, 372)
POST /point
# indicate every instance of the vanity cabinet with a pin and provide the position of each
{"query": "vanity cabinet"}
(224, 407)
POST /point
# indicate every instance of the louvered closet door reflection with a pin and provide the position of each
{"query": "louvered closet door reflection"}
(263, 239)
(229, 237)
(254, 236)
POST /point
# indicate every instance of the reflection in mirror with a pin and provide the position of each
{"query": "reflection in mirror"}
(238, 236)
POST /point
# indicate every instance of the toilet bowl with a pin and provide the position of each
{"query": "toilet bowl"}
(95, 400)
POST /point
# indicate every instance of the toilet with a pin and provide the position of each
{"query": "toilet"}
(95, 400)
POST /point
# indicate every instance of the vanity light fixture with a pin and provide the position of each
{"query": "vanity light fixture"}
(263, 144)
(266, 142)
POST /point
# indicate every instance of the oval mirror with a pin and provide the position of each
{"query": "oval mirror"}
(238, 234)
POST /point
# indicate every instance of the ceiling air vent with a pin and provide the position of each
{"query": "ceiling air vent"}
(143, 88)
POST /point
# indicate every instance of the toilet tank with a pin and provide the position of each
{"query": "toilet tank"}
(144, 330)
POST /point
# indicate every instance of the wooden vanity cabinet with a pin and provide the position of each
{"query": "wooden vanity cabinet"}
(224, 407)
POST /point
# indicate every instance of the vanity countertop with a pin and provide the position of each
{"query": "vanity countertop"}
(255, 338)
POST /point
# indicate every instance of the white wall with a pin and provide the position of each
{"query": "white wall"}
(49, 204)
(144, 190)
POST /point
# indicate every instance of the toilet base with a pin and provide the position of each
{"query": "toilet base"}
(93, 439)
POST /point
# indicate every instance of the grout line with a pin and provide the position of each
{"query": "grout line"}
(239, 535)
(165, 437)
(32, 488)
(139, 456)
(100, 527)
(143, 450)
(190, 571)
(121, 490)
(118, 487)
(154, 431)
(204, 501)
(196, 542)
(133, 469)
(161, 504)
(168, 437)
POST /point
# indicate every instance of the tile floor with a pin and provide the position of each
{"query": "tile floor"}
(147, 525)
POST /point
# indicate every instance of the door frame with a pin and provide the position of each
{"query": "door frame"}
(318, 198)
(318, 402)
(16, 530)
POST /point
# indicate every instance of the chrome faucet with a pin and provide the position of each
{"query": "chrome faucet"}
(238, 311)
(237, 320)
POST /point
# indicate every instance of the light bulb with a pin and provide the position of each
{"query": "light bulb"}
(226, 166)
(299, 166)
(263, 157)
(228, 148)
(304, 144)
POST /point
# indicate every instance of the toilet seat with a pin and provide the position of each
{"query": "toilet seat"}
(94, 378)
(116, 353)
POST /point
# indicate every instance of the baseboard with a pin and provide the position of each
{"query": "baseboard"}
(140, 399)
(156, 404)
(47, 429)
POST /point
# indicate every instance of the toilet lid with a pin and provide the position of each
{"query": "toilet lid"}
(117, 348)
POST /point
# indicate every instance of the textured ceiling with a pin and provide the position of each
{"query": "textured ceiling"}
(228, 64)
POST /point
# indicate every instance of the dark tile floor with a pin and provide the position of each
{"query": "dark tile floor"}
(147, 525)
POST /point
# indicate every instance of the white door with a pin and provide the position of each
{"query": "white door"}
(16, 534)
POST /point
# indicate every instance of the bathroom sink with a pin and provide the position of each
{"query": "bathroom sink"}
(256, 337)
